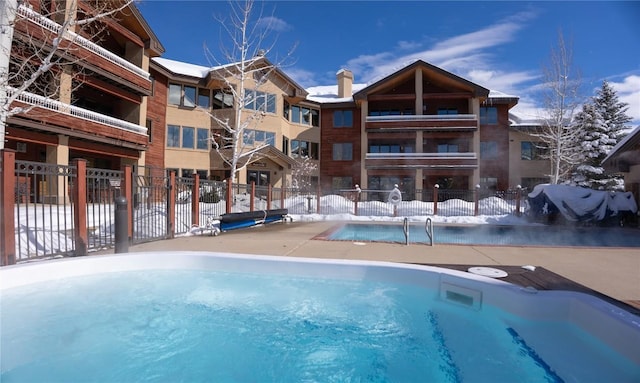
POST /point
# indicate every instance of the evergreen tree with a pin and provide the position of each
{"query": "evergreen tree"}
(601, 124)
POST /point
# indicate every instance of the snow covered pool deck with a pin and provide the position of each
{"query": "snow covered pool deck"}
(617, 328)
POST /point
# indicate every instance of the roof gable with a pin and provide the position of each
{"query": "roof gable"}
(438, 78)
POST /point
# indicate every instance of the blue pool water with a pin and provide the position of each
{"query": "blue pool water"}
(491, 235)
(213, 326)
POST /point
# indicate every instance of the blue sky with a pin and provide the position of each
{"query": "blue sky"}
(501, 45)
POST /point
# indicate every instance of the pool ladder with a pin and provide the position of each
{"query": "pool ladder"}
(405, 228)
(428, 227)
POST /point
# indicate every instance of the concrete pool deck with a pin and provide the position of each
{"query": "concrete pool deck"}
(614, 272)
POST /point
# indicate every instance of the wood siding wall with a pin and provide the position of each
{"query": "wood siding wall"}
(157, 112)
(330, 135)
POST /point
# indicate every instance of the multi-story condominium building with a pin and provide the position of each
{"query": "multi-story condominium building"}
(418, 127)
(286, 126)
(95, 105)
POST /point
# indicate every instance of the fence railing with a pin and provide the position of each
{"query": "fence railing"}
(59, 210)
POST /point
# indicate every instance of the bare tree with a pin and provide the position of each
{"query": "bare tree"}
(301, 174)
(245, 69)
(30, 52)
(561, 97)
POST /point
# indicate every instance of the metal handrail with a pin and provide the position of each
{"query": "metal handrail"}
(405, 228)
(428, 227)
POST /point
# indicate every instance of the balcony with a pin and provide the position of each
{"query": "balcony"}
(457, 122)
(75, 119)
(93, 56)
(421, 160)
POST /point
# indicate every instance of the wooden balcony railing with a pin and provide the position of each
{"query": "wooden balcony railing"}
(52, 26)
(448, 121)
(70, 110)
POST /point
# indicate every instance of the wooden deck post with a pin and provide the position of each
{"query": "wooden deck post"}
(476, 199)
(127, 192)
(7, 219)
(195, 201)
(269, 191)
(252, 196)
(435, 199)
(80, 207)
(318, 191)
(171, 205)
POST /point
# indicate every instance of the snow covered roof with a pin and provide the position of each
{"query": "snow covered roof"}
(520, 121)
(182, 68)
(329, 93)
(626, 144)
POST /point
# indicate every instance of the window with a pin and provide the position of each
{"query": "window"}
(390, 148)
(300, 149)
(173, 136)
(314, 150)
(295, 114)
(301, 115)
(530, 151)
(149, 126)
(187, 173)
(248, 137)
(271, 103)
(488, 149)
(203, 139)
(203, 98)
(489, 183)
(444, 111)
(447, 148)
(342, 183)
(221, 99)
(202, 174)
(175, 94)
(342, 119)
(188, 138)
(489, 115)
(285, 145)
(189, 99)
(182, 95)
(256, 100)
(271, 139)
(343, 152)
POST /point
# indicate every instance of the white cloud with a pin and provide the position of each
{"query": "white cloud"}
(273, 24)
(303, 77)
(461, 54)
(408, 45)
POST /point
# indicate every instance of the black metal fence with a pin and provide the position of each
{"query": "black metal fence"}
(43, 212)
(44, 216)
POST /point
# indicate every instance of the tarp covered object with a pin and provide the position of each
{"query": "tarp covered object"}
(580, 204)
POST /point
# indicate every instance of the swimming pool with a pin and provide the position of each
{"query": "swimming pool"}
(518, 235)
(232, 317)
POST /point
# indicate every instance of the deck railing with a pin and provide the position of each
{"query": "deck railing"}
(52, 26)
(70, 110)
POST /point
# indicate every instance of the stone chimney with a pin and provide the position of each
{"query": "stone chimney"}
(345, 83)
